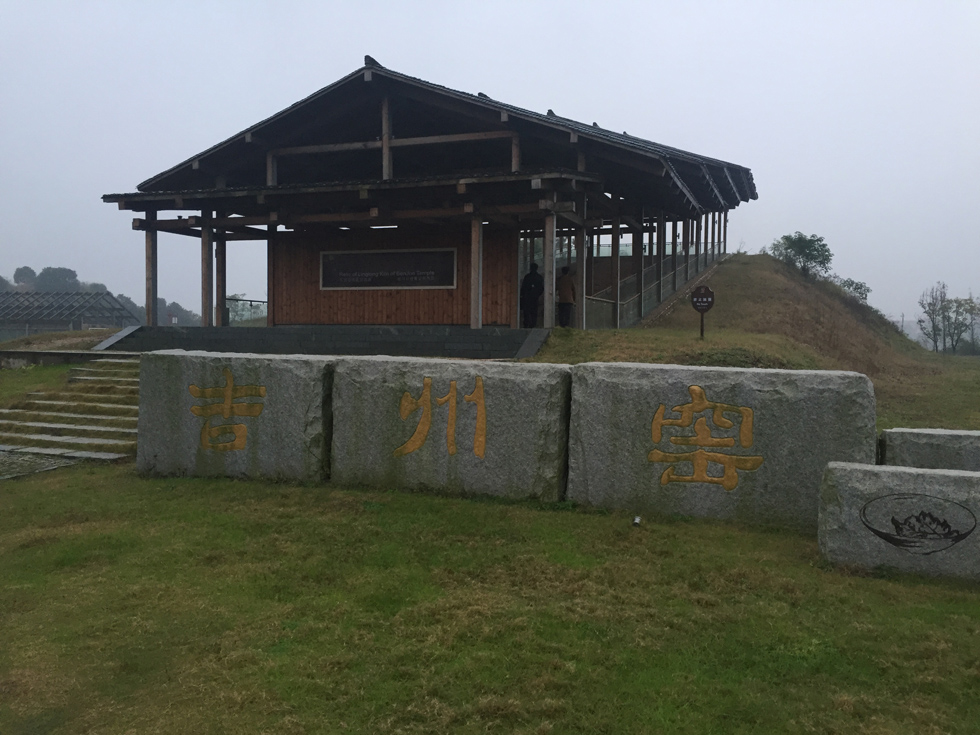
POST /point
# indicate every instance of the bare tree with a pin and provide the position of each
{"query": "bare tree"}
(933, 305)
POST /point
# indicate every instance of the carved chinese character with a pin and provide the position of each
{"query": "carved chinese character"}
(226, 407)
(410, 405)
(703, 438)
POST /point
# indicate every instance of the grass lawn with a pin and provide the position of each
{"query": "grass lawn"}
(15, 383)
(210, 606)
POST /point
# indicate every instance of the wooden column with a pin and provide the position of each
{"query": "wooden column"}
(724, 236)
(661, 245)
(549, 271)
(715, 234)
(638, 248)
(270, 269)
(616, 270)
(220, 288)
(207, 269)
(580, 258)
(590, 274)
(386, 172)
(673, 255)
(152, 318)
(697, 244)
(515, 154)
(686, 245)
(476, 274)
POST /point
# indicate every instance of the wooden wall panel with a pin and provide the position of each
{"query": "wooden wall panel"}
(297, 298)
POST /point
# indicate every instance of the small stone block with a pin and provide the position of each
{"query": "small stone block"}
(237, 415)
(913, 520)
(735, 444)
(936, 449)
(452, 426)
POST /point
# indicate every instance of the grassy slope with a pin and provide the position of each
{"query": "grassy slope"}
(766, 315)
(15, 383)
(79, 340)
(194, 605)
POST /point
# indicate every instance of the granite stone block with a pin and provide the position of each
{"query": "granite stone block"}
(937, 449)
(909, 519)
(234, 415)
(738, 444)
(451, 426)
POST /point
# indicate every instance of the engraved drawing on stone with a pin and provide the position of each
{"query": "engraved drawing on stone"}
(916, 523)
(710, 445)
(409, 405)
(230, 403)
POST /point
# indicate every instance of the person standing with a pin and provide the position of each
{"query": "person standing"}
(566, 297)
(531, 289)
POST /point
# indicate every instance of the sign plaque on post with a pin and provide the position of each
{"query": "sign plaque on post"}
(702, 299)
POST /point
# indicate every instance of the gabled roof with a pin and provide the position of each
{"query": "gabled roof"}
(50, 306)
(708, 183)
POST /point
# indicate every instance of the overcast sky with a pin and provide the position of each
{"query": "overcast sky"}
(860, 120)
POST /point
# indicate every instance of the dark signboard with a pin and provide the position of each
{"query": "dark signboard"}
(702, 299)
(376, 269)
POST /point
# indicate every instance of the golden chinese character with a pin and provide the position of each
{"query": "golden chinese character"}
(226, 408)
(699, 458)
(410, 405)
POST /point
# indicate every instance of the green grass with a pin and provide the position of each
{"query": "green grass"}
(194, 605)
(15, 383)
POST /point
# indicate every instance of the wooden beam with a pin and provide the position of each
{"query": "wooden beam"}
(207, 274)
(549, 271)
(476, 273)
(386, 172)
(298, 150)
(151, 272)
(453, 138)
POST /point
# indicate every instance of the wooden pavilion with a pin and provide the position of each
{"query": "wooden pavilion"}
(386, 199)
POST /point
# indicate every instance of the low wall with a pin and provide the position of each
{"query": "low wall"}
(722, 443)
(938, 449)
(912, 520)
(235, 415)
(463, 427)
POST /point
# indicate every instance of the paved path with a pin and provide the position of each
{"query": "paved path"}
(15, 464)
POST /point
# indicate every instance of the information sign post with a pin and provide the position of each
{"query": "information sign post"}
(702, 299)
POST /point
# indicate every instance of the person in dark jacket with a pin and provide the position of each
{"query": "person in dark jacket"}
(531, 289)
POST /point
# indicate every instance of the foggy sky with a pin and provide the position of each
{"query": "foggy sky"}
(859, 120)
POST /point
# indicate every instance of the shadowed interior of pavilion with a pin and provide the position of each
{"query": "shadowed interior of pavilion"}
(459, 193)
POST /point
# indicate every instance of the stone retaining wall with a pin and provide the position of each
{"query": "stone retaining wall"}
(235, 415)
(714, 442)
(913, 520)
(454, 426)
(938, 449)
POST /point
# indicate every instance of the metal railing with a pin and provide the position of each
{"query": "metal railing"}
(246, 312)
(600, 309)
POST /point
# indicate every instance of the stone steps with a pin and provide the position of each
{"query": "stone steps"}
(93, 417)
(13, 414)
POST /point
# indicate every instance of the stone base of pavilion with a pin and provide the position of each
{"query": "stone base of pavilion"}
(463, 342)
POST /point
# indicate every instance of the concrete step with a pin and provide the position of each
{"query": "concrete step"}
(119, 399)
(13, 414)
(68, 442)
(117, 410)
(65, 453)
(104, 381)
(116, 361)
(29, 427)
(106, 373)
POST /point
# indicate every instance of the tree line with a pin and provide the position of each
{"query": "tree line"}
(62, 280)
(949, 323)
